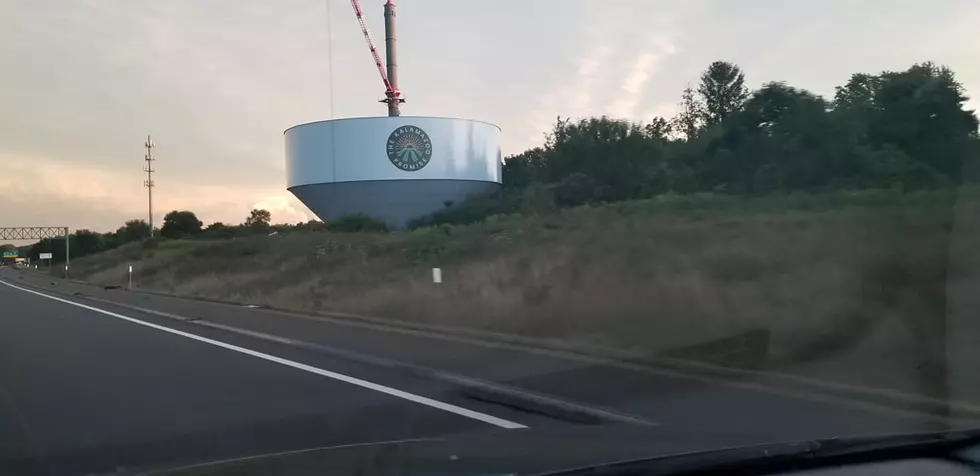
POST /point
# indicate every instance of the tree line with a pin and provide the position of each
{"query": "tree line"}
(902, 130)
(177, 224)
(184, 224)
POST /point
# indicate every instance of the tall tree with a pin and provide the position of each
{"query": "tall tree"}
(133, 230)
(521, 169)
(921, 111)
(180, 224)
(723, 91)
(688, 122)
(613, 154)
(859, 92)
(775, 143)
(660, 129)
(258, 220)
(86, 242)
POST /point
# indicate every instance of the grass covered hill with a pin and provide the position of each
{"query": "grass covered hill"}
(817, 271)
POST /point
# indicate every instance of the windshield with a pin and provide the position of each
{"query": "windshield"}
(522, 236)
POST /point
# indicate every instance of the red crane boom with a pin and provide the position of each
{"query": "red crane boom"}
(390, 92)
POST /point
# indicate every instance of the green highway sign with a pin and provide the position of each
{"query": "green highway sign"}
(10, 254)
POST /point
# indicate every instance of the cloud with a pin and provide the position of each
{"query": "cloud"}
(611, 73)
(103, 199)
(572, 92)
(633, 87)
(574, 97)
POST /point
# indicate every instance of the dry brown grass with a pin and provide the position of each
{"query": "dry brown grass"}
(838, 281)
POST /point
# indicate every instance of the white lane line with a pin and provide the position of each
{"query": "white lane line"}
(296, 365)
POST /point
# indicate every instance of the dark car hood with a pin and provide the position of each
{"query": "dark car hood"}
(505, 452)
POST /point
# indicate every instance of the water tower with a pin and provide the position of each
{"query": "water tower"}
(393, 167)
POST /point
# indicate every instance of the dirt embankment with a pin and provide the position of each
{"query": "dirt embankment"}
(860, 288)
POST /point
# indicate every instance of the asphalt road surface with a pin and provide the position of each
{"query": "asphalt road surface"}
(92, 380)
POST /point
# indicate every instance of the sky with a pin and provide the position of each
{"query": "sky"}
(83, 82)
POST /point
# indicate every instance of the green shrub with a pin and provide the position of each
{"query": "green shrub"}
(435, 244)
(472, 210)
(576, 189)
(356, 223)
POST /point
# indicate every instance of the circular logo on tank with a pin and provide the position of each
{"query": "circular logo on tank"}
(409, 148)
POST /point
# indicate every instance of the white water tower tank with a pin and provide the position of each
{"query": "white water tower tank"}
(392, 168)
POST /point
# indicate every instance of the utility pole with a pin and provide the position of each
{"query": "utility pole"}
(148, 183)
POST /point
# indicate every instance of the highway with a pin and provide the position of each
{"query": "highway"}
(94, 379)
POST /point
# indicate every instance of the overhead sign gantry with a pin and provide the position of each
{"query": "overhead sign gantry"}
(39, 233)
